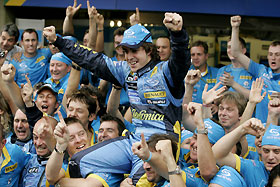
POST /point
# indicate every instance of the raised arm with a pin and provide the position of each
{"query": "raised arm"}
(92, 14)
(235, 45)
(100, 33)
(254, 98)
(54, 171)
(222, 149)
(8, 74)
(273, 112)
(114, 102)
(68, 27)
(206, 164)
(192, 77)
(180, 60)
(165, 149)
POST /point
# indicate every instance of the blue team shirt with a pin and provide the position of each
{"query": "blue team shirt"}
(209, 78)
(253, 171)
(124, 100)
(271, 82)
(14, 160)
(59, 86)
(241, 76)
(36, 67)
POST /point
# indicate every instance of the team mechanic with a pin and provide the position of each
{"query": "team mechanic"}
(155, 91)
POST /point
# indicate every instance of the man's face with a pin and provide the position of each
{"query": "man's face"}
(7, 42)
(193, 148)
(108, 130)
(39, 141)
(199, 58)
(80, 111)
(270, 156)
(136, 58)
(46, 101)
(163, 48)
(152, 176)
(30, 42)
(274, 58)
(86, 39)
(258, 143)
(78, 139)
(58, 69)
(228, 114)
(53, 49)
(117, 41)
(21, 126)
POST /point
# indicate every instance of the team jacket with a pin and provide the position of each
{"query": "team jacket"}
(155, 91)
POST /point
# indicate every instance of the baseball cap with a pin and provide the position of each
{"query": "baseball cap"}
(46, 86)
(271, 136)
(135, 36)
(62, 58)
(215, 131)
(228, 177)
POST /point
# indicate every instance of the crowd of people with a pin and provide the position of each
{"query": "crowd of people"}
(155, 114)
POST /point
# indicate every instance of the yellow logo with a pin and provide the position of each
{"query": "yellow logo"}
(155, 94)
(39, 59)
(11, 168)
(154, 71)
(85, 47)
(61, 91)
(252, 149)
(211, 80)
(143, 115)
(245, 77)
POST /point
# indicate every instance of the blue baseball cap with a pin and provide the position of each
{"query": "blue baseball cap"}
(271, 136)
(215, 131)
(46, 87)
(228, 177)
(70, 38)
(62, 58)
(135, 36)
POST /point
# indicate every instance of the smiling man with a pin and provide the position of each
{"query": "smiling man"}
(22, 136)
(32, 62)
(8, 39)
(155, 89)
(60, 66)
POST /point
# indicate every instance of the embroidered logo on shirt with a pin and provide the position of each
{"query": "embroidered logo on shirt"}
(11, 168)
(155, 94)
(39, 59)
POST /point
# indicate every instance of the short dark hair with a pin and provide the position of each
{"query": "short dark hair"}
(84, 98)
(275, 43)
(274, 173)
(167, 37)
(108, 117)
(30, 30)
(12, 30)
(119, 31)
(153, 140)
(150, 47)
(200, 43)
(71, 120)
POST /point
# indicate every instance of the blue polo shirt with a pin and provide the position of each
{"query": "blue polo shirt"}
(14, 160)
(208, 78)
(271, 83)
(59, 86)
(253, 171)
(36, 67)
(241, 76)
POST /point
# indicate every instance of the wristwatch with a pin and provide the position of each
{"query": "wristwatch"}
(204, 131)
(60, 152)
(177, 171)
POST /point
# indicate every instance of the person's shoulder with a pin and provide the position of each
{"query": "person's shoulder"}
(17, 57)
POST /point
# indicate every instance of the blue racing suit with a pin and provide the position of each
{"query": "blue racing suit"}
(14, 160)
(155, 93)
(34, 172)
